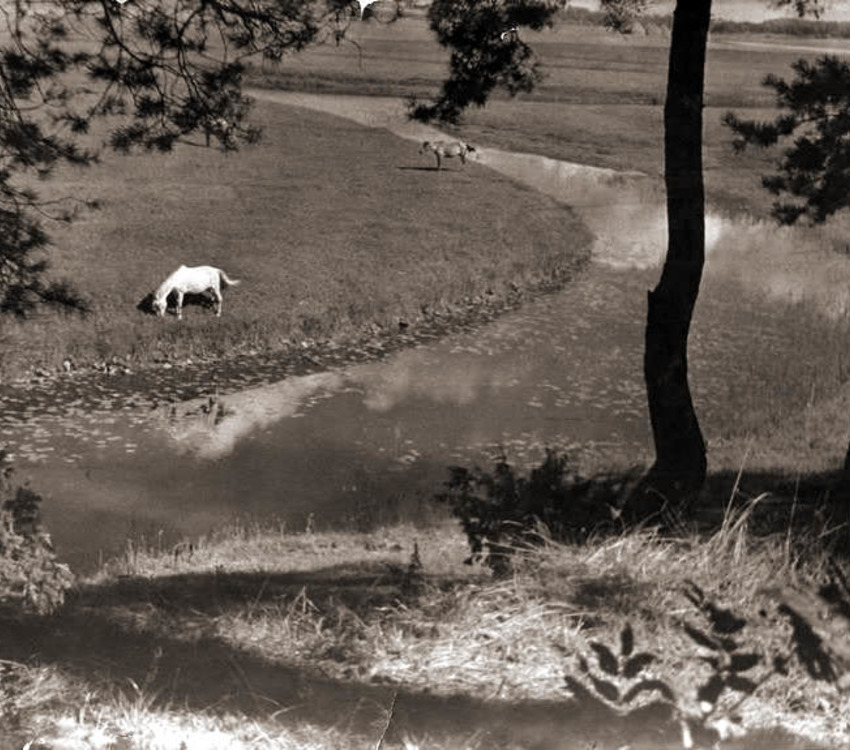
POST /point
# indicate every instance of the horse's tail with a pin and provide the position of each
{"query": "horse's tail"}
(227, 281)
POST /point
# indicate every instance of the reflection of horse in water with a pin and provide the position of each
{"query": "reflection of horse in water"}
(447, 150)
(191, 280)
(210, 427)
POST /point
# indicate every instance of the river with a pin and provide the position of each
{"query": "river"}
(370, 442)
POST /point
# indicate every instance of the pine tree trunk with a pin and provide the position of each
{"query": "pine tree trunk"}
(680, 465)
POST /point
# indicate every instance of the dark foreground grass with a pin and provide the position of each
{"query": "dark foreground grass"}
(261, 638)
(331, 227)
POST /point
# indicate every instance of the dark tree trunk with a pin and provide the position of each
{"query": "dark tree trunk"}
(680, 464)
(840, 493)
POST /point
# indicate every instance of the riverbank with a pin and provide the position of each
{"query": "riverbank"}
(260, 210)
(255, 637)
(337, 232)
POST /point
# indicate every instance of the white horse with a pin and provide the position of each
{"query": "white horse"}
(192, 280)
(447, 150)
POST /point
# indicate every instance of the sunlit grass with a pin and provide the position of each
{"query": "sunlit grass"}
(349, 608)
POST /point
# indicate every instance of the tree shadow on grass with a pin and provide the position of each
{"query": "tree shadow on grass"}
(100, 637)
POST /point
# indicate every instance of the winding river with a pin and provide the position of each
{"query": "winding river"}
(370, 442)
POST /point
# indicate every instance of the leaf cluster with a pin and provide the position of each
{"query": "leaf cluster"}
(30, 575)
(814, 172)
(501, 512)
(485, 53)
(624, 669)
(724, 651)
(620, 15)
(619, 679)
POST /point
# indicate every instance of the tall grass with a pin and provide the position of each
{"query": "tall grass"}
(338, 605)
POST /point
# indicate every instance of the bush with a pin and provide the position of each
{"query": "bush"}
(29, 573)
(501, 512)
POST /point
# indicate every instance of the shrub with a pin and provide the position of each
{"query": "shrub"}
(29, 572)
(501, 512)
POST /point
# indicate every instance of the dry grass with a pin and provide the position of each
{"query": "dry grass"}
(59, 712)
(346, 608)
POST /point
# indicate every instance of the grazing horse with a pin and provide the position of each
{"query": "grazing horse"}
(222, 129)
(447, 150)
(191, 280)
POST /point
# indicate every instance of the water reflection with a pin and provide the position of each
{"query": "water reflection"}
(540, 372)
(210, 428)
(564, 371)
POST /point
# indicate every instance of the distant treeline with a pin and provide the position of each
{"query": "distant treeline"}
(586, 17)
(789, 26)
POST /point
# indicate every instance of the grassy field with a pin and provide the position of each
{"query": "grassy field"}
(330, 226)
(257, 638)
(600, 102)
(315, 216)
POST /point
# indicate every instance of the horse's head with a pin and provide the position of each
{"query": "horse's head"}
(159, 306)
(146, 304)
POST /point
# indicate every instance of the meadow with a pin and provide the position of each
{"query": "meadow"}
(314, 215)
(331, 227)
(258, 637)
(600, 102)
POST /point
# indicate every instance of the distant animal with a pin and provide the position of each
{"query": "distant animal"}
(509, 33)
(447, 150)
(221, 128)
(191, 280)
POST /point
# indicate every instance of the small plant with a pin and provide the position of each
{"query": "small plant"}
(820, 622)
(29, 572)
(624, 676)
(724, 655)
(501, 512)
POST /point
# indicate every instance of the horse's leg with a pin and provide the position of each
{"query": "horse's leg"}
(179, 305)
(217, 294)
(439, 160)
